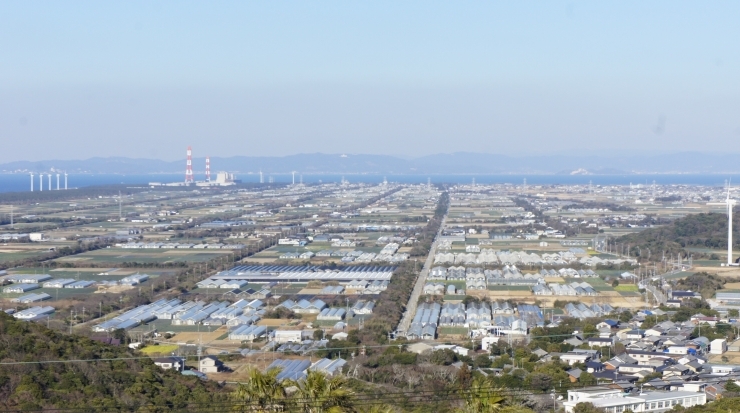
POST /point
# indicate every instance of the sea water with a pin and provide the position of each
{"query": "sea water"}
(22, 182)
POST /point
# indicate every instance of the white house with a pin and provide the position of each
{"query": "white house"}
(718, 346)
(170, 363)
(210, 364)
(573, 358)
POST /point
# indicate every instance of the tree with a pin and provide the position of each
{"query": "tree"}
(262, 391)
(482, 361)
(625, 316)
(480, 397)
(540, 381)
(615, 283)
(731, 386)
(587, 378)
(318, 393)
(318, 334)
(443, 357)
(379, 408)
(464, 376)
(586, 408)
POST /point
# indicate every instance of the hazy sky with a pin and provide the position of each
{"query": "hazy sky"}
(145, 79)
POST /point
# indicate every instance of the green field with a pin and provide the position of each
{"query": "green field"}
(709, 263)
(626, 288)
(509, 288)
(160, 349)
(452, 330)
(145, 256)
(16, 256)
(457, 284)
(676, 276)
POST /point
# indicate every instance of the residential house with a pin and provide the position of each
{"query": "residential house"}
(573, 358)
(574, 374)
(595, 366)
(210, 364)
(170, 363)
(599, 342)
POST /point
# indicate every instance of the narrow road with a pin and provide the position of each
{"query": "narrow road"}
(659, 296)
(408, 316)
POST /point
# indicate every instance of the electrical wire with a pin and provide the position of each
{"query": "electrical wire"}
(253, 352)
(358, 400)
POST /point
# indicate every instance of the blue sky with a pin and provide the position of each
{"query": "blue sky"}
(145, 79)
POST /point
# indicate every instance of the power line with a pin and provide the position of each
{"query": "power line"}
(255, 352)
(359, 399)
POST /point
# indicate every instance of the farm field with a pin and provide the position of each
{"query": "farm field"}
(145, 256)
(10, 255)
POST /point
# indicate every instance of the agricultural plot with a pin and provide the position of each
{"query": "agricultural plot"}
(145, 256)
(626, 288)
(57, 294)
(11, 255)
(508, 288)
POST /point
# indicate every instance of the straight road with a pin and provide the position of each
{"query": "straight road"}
(408, 316)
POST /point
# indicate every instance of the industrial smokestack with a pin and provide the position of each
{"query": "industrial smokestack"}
(208, 169)
(189, 168)
(31, 182)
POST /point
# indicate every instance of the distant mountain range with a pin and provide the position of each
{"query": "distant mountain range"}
(454, 163)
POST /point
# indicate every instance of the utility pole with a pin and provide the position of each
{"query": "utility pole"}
(200, 349)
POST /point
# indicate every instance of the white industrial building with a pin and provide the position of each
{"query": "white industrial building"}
(616, 401)
(20, 288)
(33, 312)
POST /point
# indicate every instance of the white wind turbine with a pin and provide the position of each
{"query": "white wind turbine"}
(730, 204)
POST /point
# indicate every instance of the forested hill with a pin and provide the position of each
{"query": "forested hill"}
(697, 230)
(129, 385)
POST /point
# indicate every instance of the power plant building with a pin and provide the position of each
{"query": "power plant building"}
(222, 178)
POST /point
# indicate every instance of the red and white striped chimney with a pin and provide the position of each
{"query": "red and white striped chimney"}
(189, 168)
(208, 169)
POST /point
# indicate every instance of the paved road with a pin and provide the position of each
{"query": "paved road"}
(659, 296)
(408, 316)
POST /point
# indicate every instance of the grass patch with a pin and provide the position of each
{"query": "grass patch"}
(508, 288)
(161, 349)
(602, 288)
(626, 288)
(454, 297)
(457, 284)
(682, 274)
(452, 330)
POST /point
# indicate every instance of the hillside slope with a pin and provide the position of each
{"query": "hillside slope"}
(117, 384)
(697, 230)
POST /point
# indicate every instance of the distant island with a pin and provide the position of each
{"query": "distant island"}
(453, 163)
